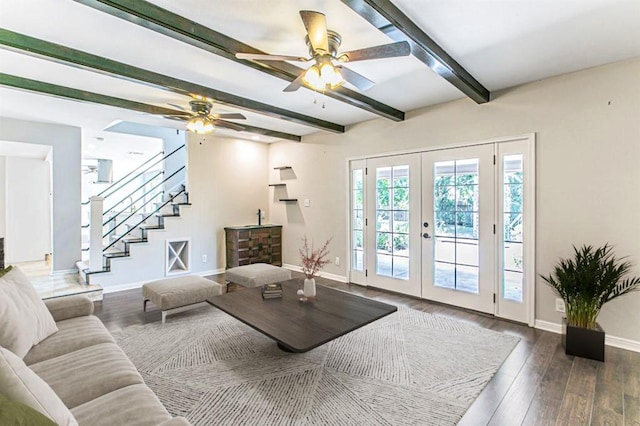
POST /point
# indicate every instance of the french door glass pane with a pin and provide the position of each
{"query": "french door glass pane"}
(456, 206)
(357, 203)
(392, 221)
(512, 287)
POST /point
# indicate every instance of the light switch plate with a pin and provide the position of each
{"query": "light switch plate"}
(307, 202)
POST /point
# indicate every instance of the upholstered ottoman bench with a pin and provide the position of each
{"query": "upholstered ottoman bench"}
(179, 293)
(256, 274)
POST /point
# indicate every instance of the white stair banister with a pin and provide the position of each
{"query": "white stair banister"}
(95, 233)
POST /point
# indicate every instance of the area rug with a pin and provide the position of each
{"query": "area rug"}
(409, 368)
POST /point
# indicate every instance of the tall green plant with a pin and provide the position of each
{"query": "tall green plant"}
(588, 281)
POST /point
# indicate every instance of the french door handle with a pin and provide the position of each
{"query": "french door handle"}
(426, 235)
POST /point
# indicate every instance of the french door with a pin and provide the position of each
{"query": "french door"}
(393, 223)
(458, 228)
(452, 225)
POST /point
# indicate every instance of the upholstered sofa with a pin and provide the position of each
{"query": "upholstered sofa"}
(80, 364)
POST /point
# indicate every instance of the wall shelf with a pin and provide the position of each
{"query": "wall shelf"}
(277, 184)
(289, 200)
(282, 168)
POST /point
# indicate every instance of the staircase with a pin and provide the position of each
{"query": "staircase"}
(126, 212)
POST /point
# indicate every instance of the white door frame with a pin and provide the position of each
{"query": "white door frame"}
(530, 209)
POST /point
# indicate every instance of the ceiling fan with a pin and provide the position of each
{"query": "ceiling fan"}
(202, 121)
(323, 47)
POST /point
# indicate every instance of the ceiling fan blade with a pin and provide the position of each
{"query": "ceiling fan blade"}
(391, 50)
(181, 116)
(179, 107)
(231, 116)
(228, 125)
(295, 84)
(177, 117)
(265, 57)
(316, 25)
(358, 80)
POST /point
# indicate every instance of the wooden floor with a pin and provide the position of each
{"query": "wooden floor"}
(537, 384)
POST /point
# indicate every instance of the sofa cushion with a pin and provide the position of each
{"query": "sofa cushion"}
(25, 319)
(86, 374)
(66, 307)
(134, 405)
(16, 413)
(73, 334)
(18, 383)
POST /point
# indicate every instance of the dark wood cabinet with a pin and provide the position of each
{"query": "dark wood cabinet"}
(253, 244)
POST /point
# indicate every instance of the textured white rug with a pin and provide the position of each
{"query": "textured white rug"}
(409, 368)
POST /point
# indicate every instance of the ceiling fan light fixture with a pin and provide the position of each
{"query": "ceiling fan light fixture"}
(322, 77)
(200, 125)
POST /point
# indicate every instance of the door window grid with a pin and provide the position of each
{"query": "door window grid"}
(456, 211)
(513, 188)
(357, 218)
(392, 221)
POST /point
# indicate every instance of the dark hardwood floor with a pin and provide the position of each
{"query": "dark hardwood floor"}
(536, 385)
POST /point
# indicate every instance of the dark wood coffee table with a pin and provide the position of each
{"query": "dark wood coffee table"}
(298, 326)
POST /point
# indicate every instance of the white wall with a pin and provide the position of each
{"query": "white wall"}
(588, 174)
(2, 196)
(227, 185)
(65, 141)
(28, 210)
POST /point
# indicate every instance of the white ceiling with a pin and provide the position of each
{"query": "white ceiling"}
(502, 43)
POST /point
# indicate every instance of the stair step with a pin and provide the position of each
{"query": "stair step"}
(180, 204)
(88, 272)
(134, 240)
(151, 227)
(167, 215)
(114, 254)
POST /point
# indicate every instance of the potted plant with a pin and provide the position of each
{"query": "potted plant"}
(312, 262)
(592, 278)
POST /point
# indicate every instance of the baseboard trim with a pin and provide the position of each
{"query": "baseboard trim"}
(139, 284)
(327, 275)
(616, 342)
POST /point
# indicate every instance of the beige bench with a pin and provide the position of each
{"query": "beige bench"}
(179, 293)
(256, 274)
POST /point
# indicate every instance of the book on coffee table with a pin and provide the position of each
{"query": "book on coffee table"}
(270, 291)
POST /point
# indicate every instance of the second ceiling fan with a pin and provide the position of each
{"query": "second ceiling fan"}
(323, 47)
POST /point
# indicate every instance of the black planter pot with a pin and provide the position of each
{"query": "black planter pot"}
(583, 342)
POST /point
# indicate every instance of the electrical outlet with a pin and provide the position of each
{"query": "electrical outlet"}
(559, 305)
(204, 258)
(337, 261)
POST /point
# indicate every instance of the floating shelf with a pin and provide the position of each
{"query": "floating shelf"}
(282, 168)
(292, 200)
(277, 184)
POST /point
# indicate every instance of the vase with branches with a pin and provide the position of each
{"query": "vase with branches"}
(312, 262)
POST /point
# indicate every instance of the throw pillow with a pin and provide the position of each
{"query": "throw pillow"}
(5, 270)
(18, 414)
(20, 384)
(25, 319)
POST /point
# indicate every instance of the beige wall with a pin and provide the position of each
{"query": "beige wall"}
(227, 186)
(588, 180)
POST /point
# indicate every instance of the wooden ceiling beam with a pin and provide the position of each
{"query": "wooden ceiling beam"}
(386, 17)
(40, 87)
(65, 55)
(177, 27)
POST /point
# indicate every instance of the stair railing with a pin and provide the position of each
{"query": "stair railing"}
(117, 185)
(101, 216)
(133, 213)
(134, 227)
(131, 195)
